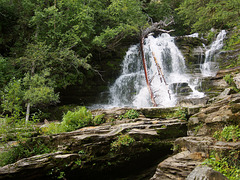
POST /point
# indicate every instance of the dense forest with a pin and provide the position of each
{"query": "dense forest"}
(47, 46)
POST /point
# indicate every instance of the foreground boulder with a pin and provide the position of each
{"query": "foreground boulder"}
(205, 173)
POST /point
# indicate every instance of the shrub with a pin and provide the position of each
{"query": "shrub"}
(73, 120)
(77, 119)
(130, 114)
(181, 114)
(98, 119)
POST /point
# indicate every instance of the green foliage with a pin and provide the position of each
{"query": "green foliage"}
(197, 128)
(98, 119)
(122, 140)
(6, 71)
(38, 90)
(181, 114)
(229, 80)
(77, 119)
(72, 120)
(226, 163)
(53, 128)
(130, 114)
(23, 150)
(210, 14)
(11, 97)
(15, 129)
(229, 133)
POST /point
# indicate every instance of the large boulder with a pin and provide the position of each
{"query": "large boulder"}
(205, 173)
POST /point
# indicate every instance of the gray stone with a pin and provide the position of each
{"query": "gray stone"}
(205, 173)
(236, 80)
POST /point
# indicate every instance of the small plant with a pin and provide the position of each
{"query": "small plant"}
(122, 140)
(197, 128)
(181, 114)
(130, 114)
(98, 119)
(163, 126)
(78, 162)
(229, 79)
(229, 133)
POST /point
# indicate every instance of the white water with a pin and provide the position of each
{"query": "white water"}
(210, 66)
(130, 88)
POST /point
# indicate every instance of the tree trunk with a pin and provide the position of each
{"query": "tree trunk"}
(156, 27)
(146, 75)
(28, 112)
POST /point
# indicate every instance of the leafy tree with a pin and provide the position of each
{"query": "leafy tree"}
(39, 91)
(125, 19)
(11, 97)
(206, 14)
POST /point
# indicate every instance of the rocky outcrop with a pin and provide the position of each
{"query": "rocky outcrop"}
(178, 166)
(220, 111)
(90, 149)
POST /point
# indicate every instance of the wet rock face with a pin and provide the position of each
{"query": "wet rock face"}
(181, 89)
(192, 50)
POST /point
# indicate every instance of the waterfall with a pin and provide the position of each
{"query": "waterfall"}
(210, 66)
(130, 88)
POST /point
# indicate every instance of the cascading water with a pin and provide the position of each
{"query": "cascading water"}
(210, 66)
(130, 88)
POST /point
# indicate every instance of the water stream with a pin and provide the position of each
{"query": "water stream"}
(210, 66)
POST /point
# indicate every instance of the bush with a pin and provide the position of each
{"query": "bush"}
(77, 119)
(130, 114)
(73, 120)
(98, 119)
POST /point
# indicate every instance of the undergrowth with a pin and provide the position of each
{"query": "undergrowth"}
(227, 163)
(73, 120)
(229, 133)
(23, 149)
